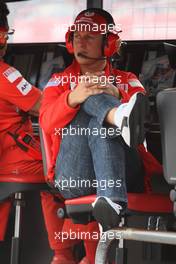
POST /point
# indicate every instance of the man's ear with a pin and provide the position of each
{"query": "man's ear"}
(118, 45)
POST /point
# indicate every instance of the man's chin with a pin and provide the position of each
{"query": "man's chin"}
(84, 61)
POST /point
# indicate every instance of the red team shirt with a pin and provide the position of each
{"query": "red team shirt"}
(15, 94)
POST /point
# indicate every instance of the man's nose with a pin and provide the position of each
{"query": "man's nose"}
(82, 42)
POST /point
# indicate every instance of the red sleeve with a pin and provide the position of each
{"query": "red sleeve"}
(55, 112)
(134, 85)
(129, 85)
(125, 96)
(16, 90)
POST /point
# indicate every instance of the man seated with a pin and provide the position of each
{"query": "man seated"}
(88, 110)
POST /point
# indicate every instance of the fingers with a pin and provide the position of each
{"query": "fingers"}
(107, 89)
(90, 79)
(98, 86)
(94, 90)
(98, 73)
(104, 85)
(92, 82)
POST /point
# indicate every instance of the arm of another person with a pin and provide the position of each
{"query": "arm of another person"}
(36, 107)
(19, 92)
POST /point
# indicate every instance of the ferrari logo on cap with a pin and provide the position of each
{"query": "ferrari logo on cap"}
(89, 14)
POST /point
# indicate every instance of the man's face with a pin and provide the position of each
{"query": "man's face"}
(88, 44)
(3, 42)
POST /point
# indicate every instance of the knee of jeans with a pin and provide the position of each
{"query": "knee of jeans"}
(92, 101)
(80, 119)
(95, 101)
(93, 123)
(95, 128)
(105, 131)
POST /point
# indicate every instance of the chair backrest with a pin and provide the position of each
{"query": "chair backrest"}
(46, 143)
(166, 105)
(46, 148)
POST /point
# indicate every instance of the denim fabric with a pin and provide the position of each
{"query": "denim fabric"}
(92, 162)
(99, 105)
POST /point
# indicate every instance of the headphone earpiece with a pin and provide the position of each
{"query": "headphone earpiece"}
(110, 46)
(69, 41)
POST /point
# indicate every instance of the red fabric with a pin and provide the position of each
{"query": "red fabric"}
(64, 255)
(55, 225)
(4, 216)
(90, 18)
(153, 203)
(84, 261)
(3, 29)
(151, 167)
(3, 36)
(95, 21)
(12, 93)
(70, 233)
(29, 171)
(88, 199)
(15, 94)
(90, 247)
(55, 108)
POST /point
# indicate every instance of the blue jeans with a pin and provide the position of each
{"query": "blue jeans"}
(94, 160)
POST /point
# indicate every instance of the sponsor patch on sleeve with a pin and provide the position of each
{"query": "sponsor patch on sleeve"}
(12, 74)
(24, 87)
(135, 83)
(53, 82)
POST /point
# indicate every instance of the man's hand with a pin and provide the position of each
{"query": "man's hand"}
(91, 85)
(85, 88)
(111, 89)
(108, 87)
